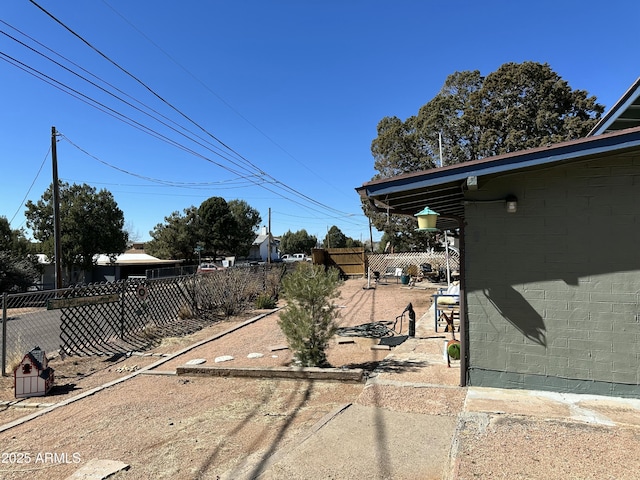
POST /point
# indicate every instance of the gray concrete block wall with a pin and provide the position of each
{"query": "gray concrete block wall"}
(553, 290)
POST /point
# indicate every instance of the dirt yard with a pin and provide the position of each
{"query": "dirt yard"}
(168, 426)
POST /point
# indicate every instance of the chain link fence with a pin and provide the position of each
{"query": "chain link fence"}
(26, 323)
(129, 315)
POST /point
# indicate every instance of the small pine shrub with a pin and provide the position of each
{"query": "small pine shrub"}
(308, 321)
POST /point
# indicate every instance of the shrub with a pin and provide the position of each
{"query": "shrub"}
(308, 321)
(264, 302)
(185, 312)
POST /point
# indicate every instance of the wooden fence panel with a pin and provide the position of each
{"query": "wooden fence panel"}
(350, 261)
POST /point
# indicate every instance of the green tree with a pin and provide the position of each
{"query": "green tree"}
(335, 238)
(298, 242)
(16, 274)
(353, 243)
(308, 321)
(219, 226)
(216, 224)
(90, 224)
(247, 220)
(177, 237)
(13, 240)
(519, 106)
(18, 269)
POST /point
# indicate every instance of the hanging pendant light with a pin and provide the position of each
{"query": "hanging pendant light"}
(427, 219)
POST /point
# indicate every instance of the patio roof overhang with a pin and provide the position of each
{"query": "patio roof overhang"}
(445, 189)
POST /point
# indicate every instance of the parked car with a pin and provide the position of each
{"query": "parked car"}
(209, 267)
(295, 257)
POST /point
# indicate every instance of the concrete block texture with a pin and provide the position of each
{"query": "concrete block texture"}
(553, 290)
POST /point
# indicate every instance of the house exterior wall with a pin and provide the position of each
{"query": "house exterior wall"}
(261, 251)
(552, 291)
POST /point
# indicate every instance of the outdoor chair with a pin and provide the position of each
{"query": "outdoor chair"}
(447, 308)
(395, 272)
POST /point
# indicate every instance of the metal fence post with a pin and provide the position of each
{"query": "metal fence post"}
(4, 334)
(124, 292)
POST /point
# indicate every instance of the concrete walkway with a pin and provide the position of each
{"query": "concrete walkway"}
(401, 427)
(413, 421)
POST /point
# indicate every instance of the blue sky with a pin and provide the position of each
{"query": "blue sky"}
(294, 88)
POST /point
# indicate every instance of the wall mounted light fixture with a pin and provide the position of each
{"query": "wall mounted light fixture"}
(512, 204)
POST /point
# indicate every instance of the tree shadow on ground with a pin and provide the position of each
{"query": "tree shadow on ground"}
(295, 407)
(389, 365)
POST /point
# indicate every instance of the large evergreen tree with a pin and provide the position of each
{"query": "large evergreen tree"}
(219, 226)
(297, 242)
(336, 239)
(246, 222)
(177, 237)
(519, 106)
(90, 224)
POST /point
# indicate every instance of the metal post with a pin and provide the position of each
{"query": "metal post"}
(4, 334)
(125, 286)
(446, 247)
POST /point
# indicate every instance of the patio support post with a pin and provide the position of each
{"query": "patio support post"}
(464, 352)
(4, 333)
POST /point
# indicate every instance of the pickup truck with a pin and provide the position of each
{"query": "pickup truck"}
(295, 257)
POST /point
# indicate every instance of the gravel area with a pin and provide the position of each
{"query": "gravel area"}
(168, 426)
(165, 426)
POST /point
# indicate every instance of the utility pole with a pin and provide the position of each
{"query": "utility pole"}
(269, 239)
(56, 211)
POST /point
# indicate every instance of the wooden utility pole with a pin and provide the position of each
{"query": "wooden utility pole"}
(56, 211)
(269, 239)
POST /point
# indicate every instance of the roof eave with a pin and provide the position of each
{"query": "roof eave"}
(539, 157)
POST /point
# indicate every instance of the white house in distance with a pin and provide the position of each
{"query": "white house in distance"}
(259, 250)
(133, 263)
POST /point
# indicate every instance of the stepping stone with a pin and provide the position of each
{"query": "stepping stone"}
(196, 361)
(223, 358)
(98, 469)
(255, 355)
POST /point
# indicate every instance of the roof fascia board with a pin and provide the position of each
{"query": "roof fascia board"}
(617, 110)
(561, 153)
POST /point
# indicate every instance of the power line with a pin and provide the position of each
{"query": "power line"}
(129, 104)
(92, 75)
(129, 121)
(189, 119)
(206, 87)
(263, 177)
(31, 186)
(122, 170)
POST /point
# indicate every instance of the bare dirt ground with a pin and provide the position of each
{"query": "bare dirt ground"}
(166, 426)
(181, 427)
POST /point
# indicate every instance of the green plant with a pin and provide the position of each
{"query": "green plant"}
(265, 302)
(308, 321)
